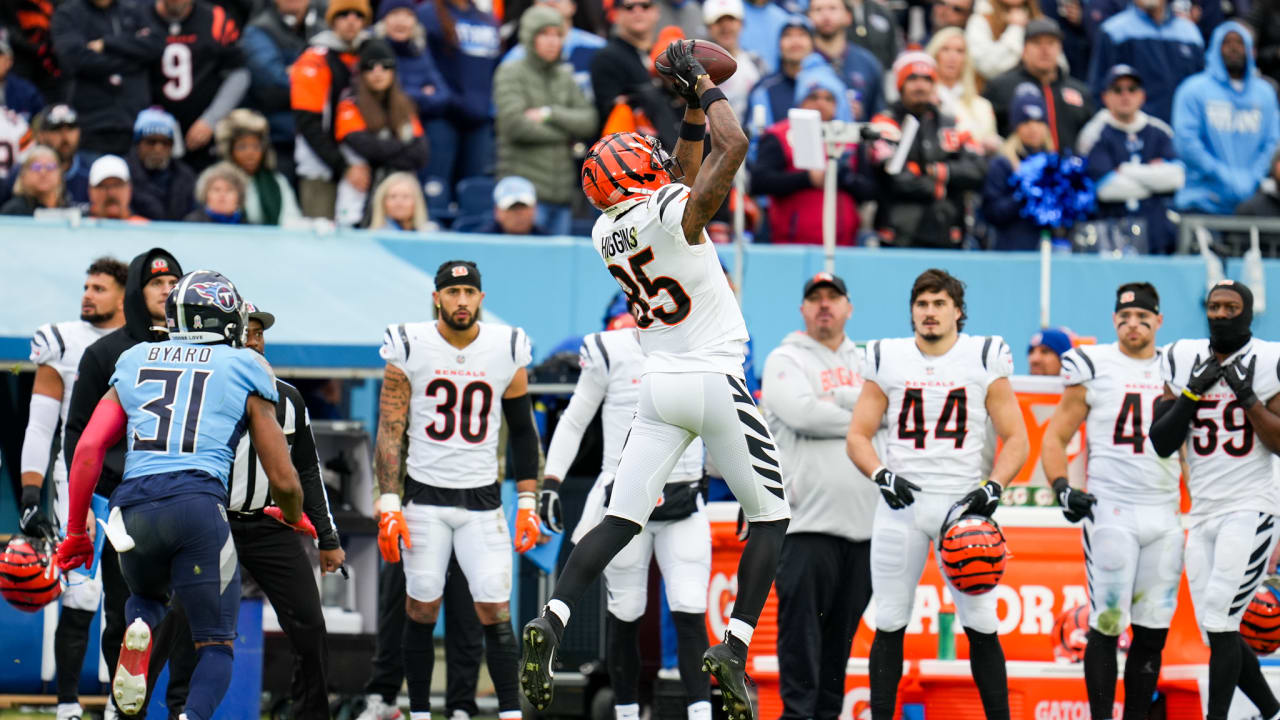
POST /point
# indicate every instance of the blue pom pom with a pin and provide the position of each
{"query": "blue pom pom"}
(1054, 190)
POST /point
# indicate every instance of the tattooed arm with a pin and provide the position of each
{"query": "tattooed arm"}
(393, 420)
(690, 153)
(710, 188)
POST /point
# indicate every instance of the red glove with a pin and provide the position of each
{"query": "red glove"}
(303, 525)
(75, 551)
(392, 528)
(528, 527)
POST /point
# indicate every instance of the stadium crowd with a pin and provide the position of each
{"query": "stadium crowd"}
(404, 115)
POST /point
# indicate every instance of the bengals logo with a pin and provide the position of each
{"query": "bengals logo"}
(159, 265)
(220, 294)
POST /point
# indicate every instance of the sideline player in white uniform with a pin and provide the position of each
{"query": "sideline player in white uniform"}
(678, 531)
(652, 241)
(439, 388)
(1133, 538)
(938, 388)
(56, 349)
(1227, 391)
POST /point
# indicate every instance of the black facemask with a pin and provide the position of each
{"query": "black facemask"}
(1227, 335)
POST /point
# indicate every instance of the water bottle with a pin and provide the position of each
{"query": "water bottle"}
(946, 632)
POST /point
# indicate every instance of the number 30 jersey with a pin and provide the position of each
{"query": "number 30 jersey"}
(1230, 468)
(455, 410)
(1121, 392)
(688, 317)
(937, 408)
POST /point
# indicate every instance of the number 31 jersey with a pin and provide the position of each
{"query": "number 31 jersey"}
(689, 319)
(1230, 468)
(1121, 392)
(455, 410)
(937, 407)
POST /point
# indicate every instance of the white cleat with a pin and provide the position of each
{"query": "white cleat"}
(129, 686)
(376, 709)
(70, 711)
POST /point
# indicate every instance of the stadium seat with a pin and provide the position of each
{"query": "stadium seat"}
(471, 223)
(475, 196)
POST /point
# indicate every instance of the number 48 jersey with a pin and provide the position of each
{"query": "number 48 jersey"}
(937, 408)
(688, 317)
(1230, 468)
(455, 410)
(1121, 392)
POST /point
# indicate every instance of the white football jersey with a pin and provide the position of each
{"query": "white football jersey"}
(1230, 468)
(60, 345)
(15, 139)
(937, 407)
(1121, 392)
(690, 320)
(455, 410)
(612, 363)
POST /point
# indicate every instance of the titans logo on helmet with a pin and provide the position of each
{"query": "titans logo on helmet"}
(219, 294)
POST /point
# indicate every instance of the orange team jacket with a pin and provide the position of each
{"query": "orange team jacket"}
(316, 80)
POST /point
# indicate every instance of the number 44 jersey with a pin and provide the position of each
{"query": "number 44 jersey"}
(455, 409)
(937, 412)
(1230, 467)
(688, 317)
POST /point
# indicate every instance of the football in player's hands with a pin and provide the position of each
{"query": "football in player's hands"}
(1239, 377)
(897, 490)
(718, 64)
(1204, 376)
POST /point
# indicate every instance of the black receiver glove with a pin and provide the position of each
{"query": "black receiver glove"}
(1204, 376)
(982, 501)
(897, 490)
(33, 522)
(1240, 378)
(549, 505)
(683, 71)
(1076, 504)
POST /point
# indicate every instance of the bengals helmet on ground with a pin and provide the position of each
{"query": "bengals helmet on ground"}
(29, 577)
(1260, 625)
(626, 166)
(1071, 634)
(972, 553)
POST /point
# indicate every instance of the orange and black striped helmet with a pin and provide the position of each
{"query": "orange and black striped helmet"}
(623, 166)
(972, 553)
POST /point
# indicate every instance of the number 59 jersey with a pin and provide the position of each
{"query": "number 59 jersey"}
(1121, 393)
(1230, 468)
(455, 410)
(688, 317)
(937, 412)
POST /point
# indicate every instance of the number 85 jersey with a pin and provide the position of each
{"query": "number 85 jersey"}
(455, 407)
(937, 412)
(689, 319)
(1230, 468)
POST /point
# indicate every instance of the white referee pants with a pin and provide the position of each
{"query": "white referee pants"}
(673, 409)
(1227, 558)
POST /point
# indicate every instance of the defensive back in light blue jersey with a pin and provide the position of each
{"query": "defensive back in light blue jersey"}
(186, 405)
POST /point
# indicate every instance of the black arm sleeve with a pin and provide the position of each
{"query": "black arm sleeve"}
(1170, 425)
(315, 501)
(523, 436)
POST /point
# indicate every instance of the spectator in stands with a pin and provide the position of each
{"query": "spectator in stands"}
(110, 191)
(39, 184)
(776, 93)
(684, 14)
(199, 75)
(1266, 201)
(398, 205)
(856, 66)
(872, 26)
(163, 185)
(464, 42)
(16, 92)
(1044, 352)
(996, 37)
(620, 71)
(243, 138)
(580, 46)
(762, 21)
(1069, 14)
(1226, 125)
(950, 13)
(58, 127)
(1163, 47)
(922, 205)
(958, 88)
(1132, 160)
(378, 128)
(1068, 100)
(108, 84)
(416, 69)
(220, 193)
(318, 79)
(15, 138)
(1001, 209)
(1264, 18)
(1205, 14)
(541, 114)
(515, 208)
(724, 27)
(274, 40)
(28, 23)
(795, 196)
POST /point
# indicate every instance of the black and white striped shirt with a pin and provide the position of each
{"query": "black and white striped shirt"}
(248, 487)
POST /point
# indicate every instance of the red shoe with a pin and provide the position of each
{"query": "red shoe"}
(129, 687)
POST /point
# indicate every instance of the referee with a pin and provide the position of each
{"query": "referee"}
(272, 552)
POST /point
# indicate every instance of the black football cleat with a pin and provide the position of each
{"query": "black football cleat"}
(730, 671)
(538, 653)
